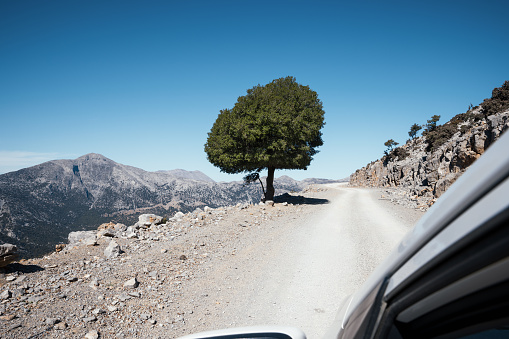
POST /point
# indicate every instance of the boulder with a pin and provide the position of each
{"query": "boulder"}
(131, 232)
(81, 236)
(120, 228)
(108, 232)
(150, 219)
(8, 254)
(112, 250)
(131, 283)
(178, 215)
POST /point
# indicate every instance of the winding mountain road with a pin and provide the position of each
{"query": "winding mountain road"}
(298, 271)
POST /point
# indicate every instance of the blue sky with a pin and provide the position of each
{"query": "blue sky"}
(142, 82)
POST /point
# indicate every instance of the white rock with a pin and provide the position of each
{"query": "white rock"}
(131, 283)
(112, 308)
(131, 232)
(7, 249)
(113, 250)
(150, 219)
(5, 295)
(92, 335)
(80, 236)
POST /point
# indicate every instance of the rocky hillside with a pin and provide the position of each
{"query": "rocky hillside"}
(129, 282)
(40, 205)
(422, 169)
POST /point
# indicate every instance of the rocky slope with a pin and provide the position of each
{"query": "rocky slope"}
(153, 278)
(130, 282)
(40, 205)
(423, 175)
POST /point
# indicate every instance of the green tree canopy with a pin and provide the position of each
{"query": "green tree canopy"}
(390, 144)
(432, 123)
(413, 130)
(276, 126)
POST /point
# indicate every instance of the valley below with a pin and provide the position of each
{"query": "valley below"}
(290, 264)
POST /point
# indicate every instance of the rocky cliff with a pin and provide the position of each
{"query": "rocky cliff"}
(422, 173)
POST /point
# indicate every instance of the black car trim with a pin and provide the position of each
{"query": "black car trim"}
(481, 252)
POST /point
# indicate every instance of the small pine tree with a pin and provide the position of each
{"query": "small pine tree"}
(390, 145)
(432, 123)
(413, 130)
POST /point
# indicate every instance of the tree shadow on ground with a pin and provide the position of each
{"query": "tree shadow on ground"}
(299, 200)
(17, 267)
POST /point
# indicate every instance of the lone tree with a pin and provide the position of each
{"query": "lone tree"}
(276, 126)
(413, 130)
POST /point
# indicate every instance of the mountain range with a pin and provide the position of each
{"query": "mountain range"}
(40, 205)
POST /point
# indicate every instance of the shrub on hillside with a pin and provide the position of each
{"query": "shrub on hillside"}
(498, 102)
(438, 135)
(396, 154)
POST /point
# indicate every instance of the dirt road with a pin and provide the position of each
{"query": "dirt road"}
(297, 270)
(288, 264)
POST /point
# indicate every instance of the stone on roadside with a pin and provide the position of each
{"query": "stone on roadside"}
(131, 283)
(92, 335)
(120, 228)
(108, 232)
(51, 321)
(5, 295)
(131, 232)
(8, 317)
(149, 219)
(7, 249)
(98, 311)
(60, 326)
(113, 250)
(8, 254)
(112, 308)
(178, 215)
(90, 242)
(134, 294)
(94, 283)
(80, 237)
(89, 319)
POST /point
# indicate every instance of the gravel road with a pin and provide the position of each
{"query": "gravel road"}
(300, 268)
(288, 264)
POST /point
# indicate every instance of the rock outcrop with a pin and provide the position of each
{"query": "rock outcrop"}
(423, 176)
(8, 254)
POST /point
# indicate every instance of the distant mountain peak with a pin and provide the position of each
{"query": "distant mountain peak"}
(93, 156)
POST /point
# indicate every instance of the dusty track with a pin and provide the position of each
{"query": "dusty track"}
(298, 269)
(286, 265)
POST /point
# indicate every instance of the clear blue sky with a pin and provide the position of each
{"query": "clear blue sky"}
(142, 82)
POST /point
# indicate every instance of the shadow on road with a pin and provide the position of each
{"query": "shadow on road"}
(299, 199)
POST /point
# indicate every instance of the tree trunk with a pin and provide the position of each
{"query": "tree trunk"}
(270, 184)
